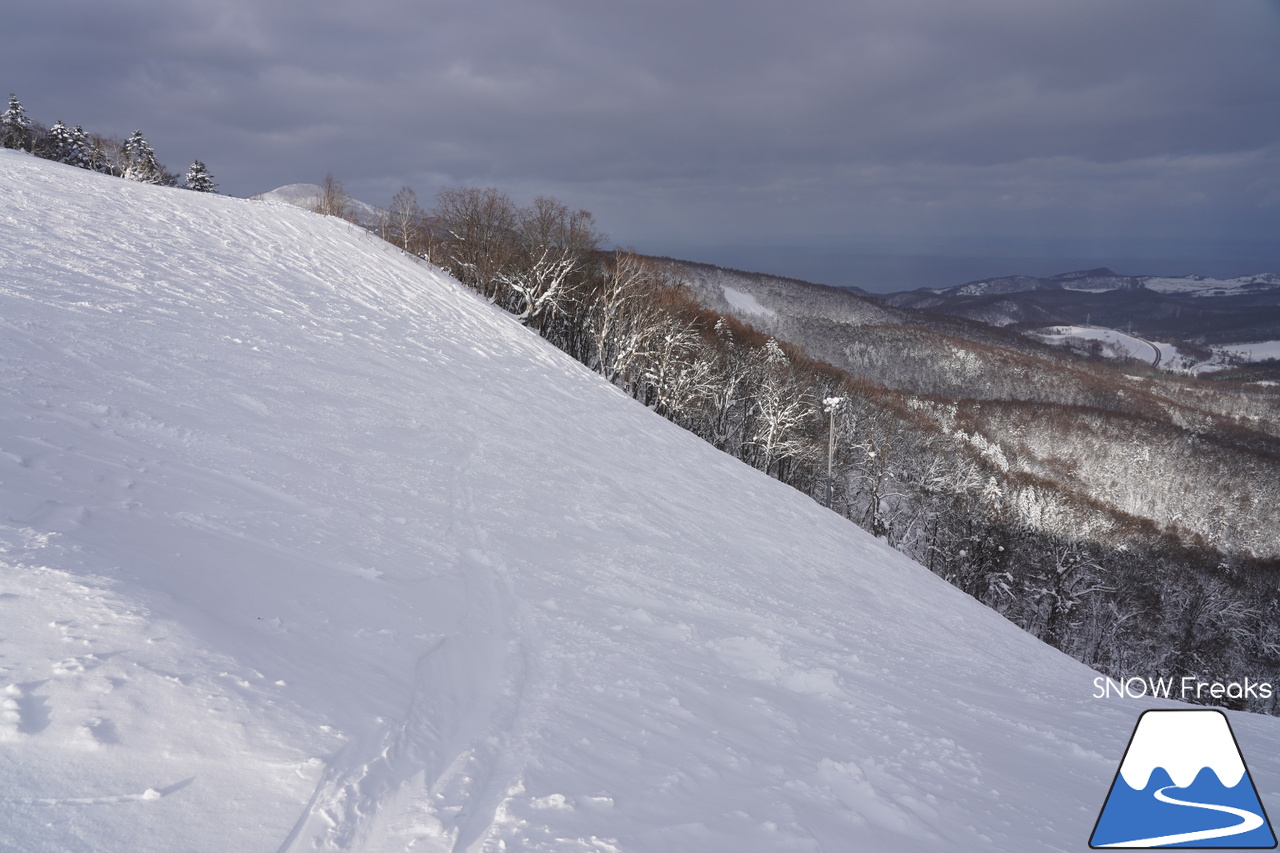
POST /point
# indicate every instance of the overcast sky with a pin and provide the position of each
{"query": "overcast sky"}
(884, 143)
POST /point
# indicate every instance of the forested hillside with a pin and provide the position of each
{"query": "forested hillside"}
(1127, 516)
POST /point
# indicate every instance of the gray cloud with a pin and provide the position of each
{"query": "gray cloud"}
(705, 123)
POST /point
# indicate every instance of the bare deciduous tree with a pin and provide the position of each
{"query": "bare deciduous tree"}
(406, 221)
(479, 226)
(333, 200)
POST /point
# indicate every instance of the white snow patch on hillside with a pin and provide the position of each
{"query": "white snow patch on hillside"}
(745, 302)
(303, 547)
(1257, 351)
(1119, 345)
(1114, 343)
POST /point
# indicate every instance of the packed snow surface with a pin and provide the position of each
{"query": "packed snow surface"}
(303, 547)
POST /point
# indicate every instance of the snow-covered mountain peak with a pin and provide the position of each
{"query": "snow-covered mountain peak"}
(308, 196)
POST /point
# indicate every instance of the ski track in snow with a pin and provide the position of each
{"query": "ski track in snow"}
(431, 777)
(331, 555)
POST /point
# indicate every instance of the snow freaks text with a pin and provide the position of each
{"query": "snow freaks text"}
(1186, 688)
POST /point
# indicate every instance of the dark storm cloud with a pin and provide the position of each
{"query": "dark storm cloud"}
(704, 121)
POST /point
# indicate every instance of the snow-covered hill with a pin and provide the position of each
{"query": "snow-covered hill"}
(1112, 343)
(308, 196)
(766, 301)
(304, 547)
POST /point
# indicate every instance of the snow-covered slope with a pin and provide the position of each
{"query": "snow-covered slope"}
(303, 547)
(1114, 343)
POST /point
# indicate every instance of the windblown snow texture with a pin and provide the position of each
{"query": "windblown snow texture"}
(303, 547)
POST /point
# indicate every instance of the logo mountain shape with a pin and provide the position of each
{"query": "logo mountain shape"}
(1183, 783)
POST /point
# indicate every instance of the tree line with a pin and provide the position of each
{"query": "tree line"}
(131, 158)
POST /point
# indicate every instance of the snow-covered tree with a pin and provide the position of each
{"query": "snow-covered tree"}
(15, 127)
(781, 408)
(619, 317)
(199, 179)
(140, 161)
(80, 153)
(57, 143)
(540, 291)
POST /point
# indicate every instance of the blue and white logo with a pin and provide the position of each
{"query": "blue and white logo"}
(1183, 783)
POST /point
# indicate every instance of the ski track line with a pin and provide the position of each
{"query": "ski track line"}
(110, 800)
(1249, 821)
(430, 777)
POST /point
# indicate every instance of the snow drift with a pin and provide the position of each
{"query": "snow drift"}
(304, 547)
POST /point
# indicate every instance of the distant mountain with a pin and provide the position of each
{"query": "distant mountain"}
(757, 296)
(1102, 280)
(709, 279)
(307, 196)
(1212, 310)
(818, 317)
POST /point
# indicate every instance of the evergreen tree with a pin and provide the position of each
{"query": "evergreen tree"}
(57, 143)
(15, 127)
(199, 179)
(79, 154)
(140, 161)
